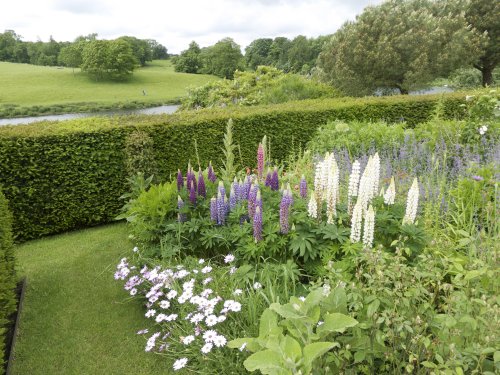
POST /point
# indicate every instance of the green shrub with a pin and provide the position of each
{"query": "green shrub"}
(139, 147)
(7, 275)
(64, 175)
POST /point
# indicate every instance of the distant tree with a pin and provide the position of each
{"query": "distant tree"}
(399, 44)
(9, 40)
(484, 16)
(189, 61)
(71, 55)
(222, 59)
(257, 53)
(278, 53)
(140, 48)
(108, 59)
(158, 51)
(300, 54)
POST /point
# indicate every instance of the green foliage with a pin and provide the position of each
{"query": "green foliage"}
(7, 276)
(59, 176)
(264, 86)
(139, 147)
(105, 59)
(222, 59)
(151, 211)
(294, 337)
(189, 61)
(229, 168)
(398, 44)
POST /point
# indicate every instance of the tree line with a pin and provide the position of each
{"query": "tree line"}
(398, 45)
(102, 59)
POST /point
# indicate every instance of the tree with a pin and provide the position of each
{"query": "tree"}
(108, 59)
(189, 61)
(8, 42)
(140, 48)
(223, 58)
(158, 51)
(257, 53)
(278, 53)
(71, 55)
(484, 16)
(400, 44)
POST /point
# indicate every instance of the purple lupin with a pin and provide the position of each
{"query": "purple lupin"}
(213, 209)
(236, 187)
(258, 200)
(211, 175)
(275, 184)
(252, 196)
(221, 209)
(233, 200)
(180, 180)
(247, 186)
(284, 212)
(260, 161)
(181, 217)
(268, 178)
(202, 190)
(192, 194)
(221, 188)
(303, 187)
(188, 176)
(257, 225)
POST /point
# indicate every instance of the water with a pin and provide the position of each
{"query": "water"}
(164, 109)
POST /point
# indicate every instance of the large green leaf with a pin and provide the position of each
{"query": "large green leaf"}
(291, 348)
(268, 321)
(267, 361)
(317, 349)
(336, 301)
(336, 322)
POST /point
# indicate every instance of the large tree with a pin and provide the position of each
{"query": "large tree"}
(189, 61)
(223, 58)
(257, 52)
(399, 44)
(484, 16)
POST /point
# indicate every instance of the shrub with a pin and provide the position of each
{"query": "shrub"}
(60, 176)
(7, 276)
(139, 147)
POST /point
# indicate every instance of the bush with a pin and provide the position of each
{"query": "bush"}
(7, 276)
(64, 175)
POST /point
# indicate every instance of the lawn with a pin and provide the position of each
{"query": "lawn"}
(76, 319)
(29, 85)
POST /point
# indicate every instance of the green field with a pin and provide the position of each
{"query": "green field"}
(76, 318)
(40, 87)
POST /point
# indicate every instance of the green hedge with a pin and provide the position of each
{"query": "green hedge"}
(7, 277)
(60, 176)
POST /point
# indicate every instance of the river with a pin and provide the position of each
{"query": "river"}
(68, 116)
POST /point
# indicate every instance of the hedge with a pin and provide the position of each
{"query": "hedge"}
(61, 176)
(7, 277)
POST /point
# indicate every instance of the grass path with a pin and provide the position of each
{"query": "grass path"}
(76, 319)
(28, 85)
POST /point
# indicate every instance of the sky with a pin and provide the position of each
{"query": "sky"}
(176, 23)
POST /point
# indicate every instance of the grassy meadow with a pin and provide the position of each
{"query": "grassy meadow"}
(30, 89)
(73, 306)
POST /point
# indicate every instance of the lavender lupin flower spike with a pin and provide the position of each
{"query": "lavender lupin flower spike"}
(181, 217)
(303, 187)
(257, 225)
(284, 212)
(213, 209)
(275, 184)
(232, 198)
(192, 193)
(260, 161)
(221, 209)
(268, 178)
(211, 175)
(202, 190)
(180, 180)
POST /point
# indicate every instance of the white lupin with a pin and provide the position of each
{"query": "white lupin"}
(352, 191)
(332, 189)
(312, 207)
(369, 227)
(411, 203)
(375, 174)
(390, 194)
(365, 192)
(357, 217)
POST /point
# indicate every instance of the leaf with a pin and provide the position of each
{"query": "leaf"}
(336, 322)
(291, 349)
(336, 301)
(268, 321)
(250, 343)
(267, 361)
(286, 311)
(429, 364)
(372, 308)
(317, 349)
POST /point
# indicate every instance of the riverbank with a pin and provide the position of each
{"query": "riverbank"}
(29, 90)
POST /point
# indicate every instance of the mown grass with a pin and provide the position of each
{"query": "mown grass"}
(30, 89)
(76, 318)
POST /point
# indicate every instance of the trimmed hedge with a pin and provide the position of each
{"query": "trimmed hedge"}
(61, 176)
(7, 277)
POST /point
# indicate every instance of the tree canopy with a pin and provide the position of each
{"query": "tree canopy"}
(222, 59)
(400, 44)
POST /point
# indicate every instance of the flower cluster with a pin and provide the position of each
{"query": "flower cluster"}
(412, 203)
(286, 202)
(182, 305)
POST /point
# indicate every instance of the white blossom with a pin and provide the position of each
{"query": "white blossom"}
(312, 207)
(412, 203)
(180, 363)
(207, 348)
(390, 194)
(219, 341)
(356, 219)
(369, 228)
(188, 340)
(353, 185)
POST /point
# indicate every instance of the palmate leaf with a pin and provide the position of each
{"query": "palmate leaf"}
(302, 244)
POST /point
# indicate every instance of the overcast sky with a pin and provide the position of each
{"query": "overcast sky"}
(175, 23)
